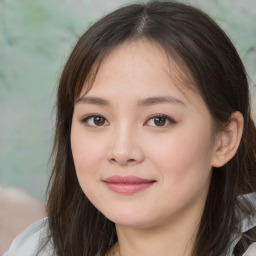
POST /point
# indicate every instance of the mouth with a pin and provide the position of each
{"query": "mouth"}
(128, 184)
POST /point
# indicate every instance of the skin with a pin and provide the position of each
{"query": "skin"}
(177, 155)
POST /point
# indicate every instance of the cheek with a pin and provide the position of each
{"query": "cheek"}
(184, 167)
(184, 156)
(87, 152)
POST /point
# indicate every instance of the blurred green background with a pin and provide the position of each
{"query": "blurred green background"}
(35, 40)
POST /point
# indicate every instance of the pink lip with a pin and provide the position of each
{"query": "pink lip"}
(127, 184)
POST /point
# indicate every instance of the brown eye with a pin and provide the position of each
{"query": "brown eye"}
(95, 120)
(98, 120)
(159, 121)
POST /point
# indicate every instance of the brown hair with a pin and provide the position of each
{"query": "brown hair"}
(185, 33)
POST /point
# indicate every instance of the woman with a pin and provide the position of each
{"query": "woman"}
(155, 145)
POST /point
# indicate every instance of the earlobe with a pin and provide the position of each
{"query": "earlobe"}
(228, 140)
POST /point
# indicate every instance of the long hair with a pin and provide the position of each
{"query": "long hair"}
(190, 38)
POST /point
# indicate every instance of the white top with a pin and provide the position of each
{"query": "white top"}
(28, 243)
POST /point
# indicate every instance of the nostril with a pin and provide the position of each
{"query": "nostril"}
(131, 160)
(122, 161)
(113, 160)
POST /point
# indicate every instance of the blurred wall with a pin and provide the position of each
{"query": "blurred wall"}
(35, 40)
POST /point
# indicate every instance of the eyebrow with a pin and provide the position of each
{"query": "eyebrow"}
(145, 102)
(94, 101)
(159, 100)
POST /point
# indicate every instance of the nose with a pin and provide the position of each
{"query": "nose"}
(125, 148)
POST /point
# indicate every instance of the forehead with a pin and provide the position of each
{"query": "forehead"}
(137, 71)
(138, 60)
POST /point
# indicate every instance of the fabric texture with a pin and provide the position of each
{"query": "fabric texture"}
(29, 242)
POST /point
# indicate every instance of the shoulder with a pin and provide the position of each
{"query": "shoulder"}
(246, 242)
(18, 211)
(248, 222)
(29, 242)
(251, 251)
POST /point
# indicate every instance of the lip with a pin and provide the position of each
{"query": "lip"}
(128, 184)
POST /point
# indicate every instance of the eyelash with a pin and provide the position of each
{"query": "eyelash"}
(91, 116)
(166, 119)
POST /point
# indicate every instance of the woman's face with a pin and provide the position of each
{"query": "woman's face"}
(142, 143)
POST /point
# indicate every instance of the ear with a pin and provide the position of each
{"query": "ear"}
(228, 140)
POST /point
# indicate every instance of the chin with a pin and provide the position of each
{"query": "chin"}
(131, 219)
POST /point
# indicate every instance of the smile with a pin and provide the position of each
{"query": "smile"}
(128, 184)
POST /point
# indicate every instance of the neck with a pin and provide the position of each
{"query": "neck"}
(176, 239)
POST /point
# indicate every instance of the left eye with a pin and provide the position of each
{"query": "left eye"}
(160, 121)
(95, 120)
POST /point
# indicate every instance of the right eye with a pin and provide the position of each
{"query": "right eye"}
(95, 120)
